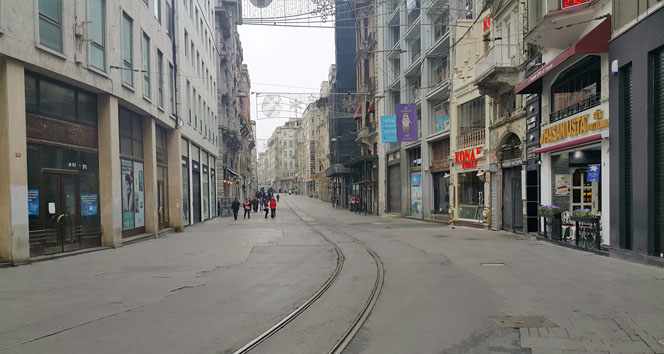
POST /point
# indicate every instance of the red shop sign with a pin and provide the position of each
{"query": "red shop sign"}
(469, 157)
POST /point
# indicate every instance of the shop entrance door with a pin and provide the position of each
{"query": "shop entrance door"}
(196, 191)
(60, 212)
(161, 204)
(512, 203)
(585, 195)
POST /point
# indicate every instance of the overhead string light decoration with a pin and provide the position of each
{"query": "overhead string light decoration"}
(269, 11)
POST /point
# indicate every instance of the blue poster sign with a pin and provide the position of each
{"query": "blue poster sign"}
(88, 204)
(388, 129)
(33, 201)
(593, 173)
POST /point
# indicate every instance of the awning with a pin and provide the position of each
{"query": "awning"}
(337, 170)
(588, 139)
(231, 171)
(358, 113)
(372, 107)
(596, 41)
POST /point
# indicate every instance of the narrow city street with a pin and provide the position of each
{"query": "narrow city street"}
(219, 285)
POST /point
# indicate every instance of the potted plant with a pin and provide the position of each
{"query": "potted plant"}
(553, 224)
(583, 215)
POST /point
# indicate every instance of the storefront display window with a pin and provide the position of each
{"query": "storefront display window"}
(576, 89)
(57, 100)
(471, 196)
(576, 176)
(131, 152)
(206, 187)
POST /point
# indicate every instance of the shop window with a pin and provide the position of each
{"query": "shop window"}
(50, 24)
(471, 116)
(131, 134)
(415, 157)
(60, 101)
(576, 89)
(441, 150)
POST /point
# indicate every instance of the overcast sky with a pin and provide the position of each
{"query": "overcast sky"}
(284, 56)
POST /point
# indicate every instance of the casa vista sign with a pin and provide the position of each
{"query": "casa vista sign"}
(573, 127)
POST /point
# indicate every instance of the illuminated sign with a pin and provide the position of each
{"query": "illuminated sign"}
(571, 3)
(486, 23)
(573, 127)
(469, 157)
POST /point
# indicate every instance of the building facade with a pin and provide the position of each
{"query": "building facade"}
(636, 108)
(283, 157)
(96, 148)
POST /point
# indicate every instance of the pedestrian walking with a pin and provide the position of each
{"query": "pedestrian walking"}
(236, 208)
(273, 207)
(266, 207)
(277, 197)
(254, 204)
(247, 209)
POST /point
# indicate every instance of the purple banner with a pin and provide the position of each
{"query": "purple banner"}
(406, 122)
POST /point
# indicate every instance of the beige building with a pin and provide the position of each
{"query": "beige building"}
(98, 140)
(283, 156)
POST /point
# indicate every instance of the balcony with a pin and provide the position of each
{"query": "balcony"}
(474, 138)
(367, 135)
(580, 106)
(499, 66)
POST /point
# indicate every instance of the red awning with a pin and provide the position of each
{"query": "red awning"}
(372, 107)
(586, 140)
(596, 41)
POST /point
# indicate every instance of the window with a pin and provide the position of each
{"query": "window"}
(50, 24)
(127, 50)
(576, 89)
(56, 100)
(471, 116)
(131, 135)
(147, 92)
(160, 78)
(186, 41)
(192, 53)
(189, 101)
(169, 20)
(157, 10)
(171, 86)
(97, 34)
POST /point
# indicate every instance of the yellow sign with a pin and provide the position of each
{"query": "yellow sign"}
(574, 127)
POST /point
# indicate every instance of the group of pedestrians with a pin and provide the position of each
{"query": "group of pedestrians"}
(266, 201)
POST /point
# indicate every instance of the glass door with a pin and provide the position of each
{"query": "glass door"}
(60, 212)
(582, 191)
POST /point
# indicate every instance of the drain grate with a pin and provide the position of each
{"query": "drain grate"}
(523, 321)
(495, 264)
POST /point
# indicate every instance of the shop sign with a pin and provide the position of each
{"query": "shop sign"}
(406, 122)
(571, 3)
(593, 173)
(573, 127)
(388, 129)
(468, 158)
(486, 23)
(439, 166)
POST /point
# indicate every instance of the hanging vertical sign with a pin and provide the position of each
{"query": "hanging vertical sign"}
(406, 122)
(593, 173)
(388, 129)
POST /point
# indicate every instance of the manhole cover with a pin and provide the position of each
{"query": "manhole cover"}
(524, 321)
(499, 264)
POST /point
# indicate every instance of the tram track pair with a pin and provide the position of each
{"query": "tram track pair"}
(359, 320)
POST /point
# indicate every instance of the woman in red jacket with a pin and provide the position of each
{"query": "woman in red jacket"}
(273, 208)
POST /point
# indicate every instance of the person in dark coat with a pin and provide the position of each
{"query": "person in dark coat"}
(273, 208)
(266, 207)
(277, 197)
(236, 208)
(254, 203)
(247, 209)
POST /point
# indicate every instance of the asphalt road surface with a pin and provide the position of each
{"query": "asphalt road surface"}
(318, 279)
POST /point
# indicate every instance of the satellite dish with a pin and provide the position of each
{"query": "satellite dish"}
(271, 105)
(261, 3)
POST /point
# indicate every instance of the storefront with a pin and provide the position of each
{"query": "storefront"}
(206, 186)
(511, 191)
(440, 172)
(471, 174)
(63, 177)
(415, 182)
(162, 176)
(196, 183)
(186, 201)
(131, 163)
(394, 183)
(575, 153)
